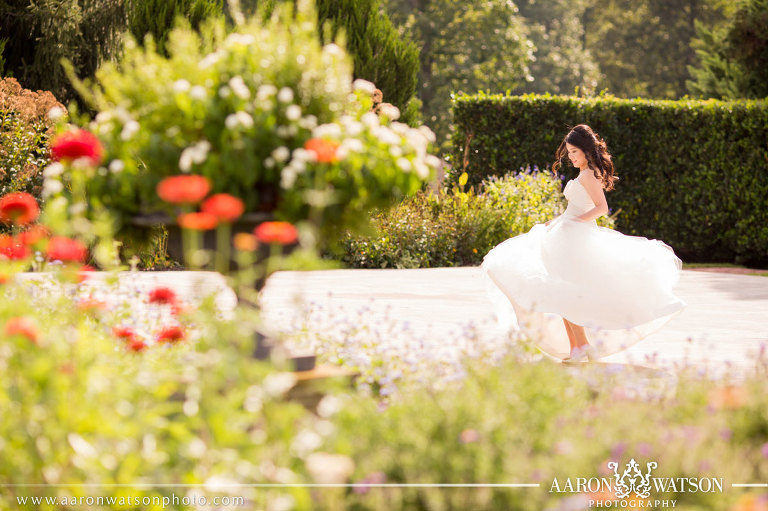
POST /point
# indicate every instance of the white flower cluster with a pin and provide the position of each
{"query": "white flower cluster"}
(194, 154)
(407, 146)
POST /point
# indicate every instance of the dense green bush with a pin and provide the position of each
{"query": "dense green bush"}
(157, 17)
(24, 131)
(693, 173)
(457, 228)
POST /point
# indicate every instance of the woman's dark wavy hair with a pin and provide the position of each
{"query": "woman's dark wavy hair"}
(594, 147)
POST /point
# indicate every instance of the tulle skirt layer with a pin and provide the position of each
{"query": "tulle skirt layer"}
(619, 287)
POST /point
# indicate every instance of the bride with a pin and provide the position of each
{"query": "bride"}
(616, 287)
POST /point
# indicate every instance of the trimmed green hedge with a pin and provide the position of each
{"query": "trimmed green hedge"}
(692, 173)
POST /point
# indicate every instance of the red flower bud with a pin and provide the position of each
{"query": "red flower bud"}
(73, 145)
(184, 189)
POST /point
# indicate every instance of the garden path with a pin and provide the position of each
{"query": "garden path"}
(724, 324)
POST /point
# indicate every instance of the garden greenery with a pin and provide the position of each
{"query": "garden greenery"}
(456, 227)
(240, 108)
(692, 173)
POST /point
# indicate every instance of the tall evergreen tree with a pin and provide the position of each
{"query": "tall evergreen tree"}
(39, 34)
(157, 17)
(733, 59)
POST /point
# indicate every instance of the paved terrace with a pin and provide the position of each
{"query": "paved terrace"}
(438, 312)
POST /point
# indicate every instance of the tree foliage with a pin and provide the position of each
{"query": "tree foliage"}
(733, 58)
(39, 34)
(643, 47)
(561, 61)
(465, 46)
(157, 17)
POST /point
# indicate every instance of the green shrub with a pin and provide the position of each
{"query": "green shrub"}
(457, 228)
(156, 17)
(240, 108)
(24, 131)
(693, 173)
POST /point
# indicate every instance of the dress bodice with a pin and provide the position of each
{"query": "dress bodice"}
(579, 201)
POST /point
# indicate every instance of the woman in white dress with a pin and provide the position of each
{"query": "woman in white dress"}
(607, 287)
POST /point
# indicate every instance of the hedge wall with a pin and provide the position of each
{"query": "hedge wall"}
(692, 173)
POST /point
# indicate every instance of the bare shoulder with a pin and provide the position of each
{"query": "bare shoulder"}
(589, 180)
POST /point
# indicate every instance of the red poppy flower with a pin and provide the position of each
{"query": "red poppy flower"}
(12, 248)
(22, 326)
(325, 150)
(136, 345)
(223, 206)
(91, 304)
(34, 234)
(197, 221)
(3, 278)
(18, 208)
(123, 332)
(65, 249)
(183, 189)
(73, 145)
(282, 233)
(83, 272)
(171, 334)
(162, 295)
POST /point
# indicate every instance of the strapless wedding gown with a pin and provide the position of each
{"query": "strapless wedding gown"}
(619, 287)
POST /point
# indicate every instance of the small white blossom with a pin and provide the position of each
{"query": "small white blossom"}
(56, 113)
(209, 60)
(288, 176)
(293, 112)
(103, 117)
(302, 154)
(330, 130)
(266, 91)
(276, 384)
(396, 151)
(181, 86)
(54, 169)
(281, 154)
(194, 154)
(370, 119)
(305, 442)
(421, 170)
(333, 49)
(390, 111)
(239, 118)
(116, 166)
(353, 145)
(364, 86)
(404, 164)
(432, 161)
(428, 133)
(129, 130)
(400, 128)
(386, 135)
(285, 95)
(269, 162)
(239, 87)
(198, 92)
(328, 406)
(51, 187)
(308, 122)
(241, 39)
(224, 91)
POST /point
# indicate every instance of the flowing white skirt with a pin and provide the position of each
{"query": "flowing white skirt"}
(619, 287)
